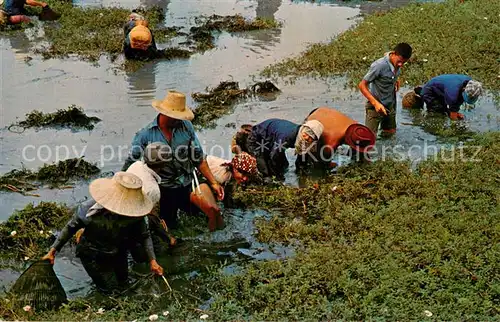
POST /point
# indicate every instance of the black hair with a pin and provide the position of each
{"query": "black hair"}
(403, 49)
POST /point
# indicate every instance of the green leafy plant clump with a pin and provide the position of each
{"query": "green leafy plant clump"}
(54, 174)
(448, 37)
(28, 233)
(220, 100)
(72, 117)
(380, 241)
(91, 32)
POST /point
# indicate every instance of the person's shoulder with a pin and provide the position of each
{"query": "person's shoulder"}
(378, 62)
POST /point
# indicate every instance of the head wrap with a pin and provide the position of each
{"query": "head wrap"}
(244, 162)
(472, 91)
(313, 129)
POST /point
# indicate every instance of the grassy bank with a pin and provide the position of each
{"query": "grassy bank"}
(380, 241)
(449, 37)
(377, 241)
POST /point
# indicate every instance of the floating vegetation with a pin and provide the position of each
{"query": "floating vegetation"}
(447, 37)
(219, 100)
(53, 174)
(91, 32)
(72, 117)
(235, 23)
(203, 38)
(28, 233)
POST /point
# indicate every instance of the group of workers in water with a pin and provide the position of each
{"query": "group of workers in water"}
(168, 170)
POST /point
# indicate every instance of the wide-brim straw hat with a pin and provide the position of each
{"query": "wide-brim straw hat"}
(360, 138)
(121, 194)
(174, 106)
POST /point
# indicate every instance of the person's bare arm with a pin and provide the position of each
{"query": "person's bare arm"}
(35, 3)
(363, 87)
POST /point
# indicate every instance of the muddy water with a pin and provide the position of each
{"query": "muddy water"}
(123, 102)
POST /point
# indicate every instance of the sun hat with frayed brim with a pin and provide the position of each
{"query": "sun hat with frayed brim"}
(174, 106)
(359, 138)
(121, 194)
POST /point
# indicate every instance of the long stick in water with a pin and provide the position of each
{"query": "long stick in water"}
(166, 282)
(171, 290)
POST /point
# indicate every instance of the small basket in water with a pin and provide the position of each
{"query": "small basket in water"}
(38, 287)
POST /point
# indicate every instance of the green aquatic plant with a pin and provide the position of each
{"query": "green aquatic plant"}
(447, 37)
(220, 100)
(55, 175)
(72, 117)
(379, 241)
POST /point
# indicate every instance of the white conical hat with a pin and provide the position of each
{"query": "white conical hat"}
(121, 194)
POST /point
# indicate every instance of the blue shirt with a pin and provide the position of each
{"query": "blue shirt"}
(382, 77)
(185, 148)
(275, 136)
(447, 89)
(14, 7)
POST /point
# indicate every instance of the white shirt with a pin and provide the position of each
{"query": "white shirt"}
(220, 172)
(150, 180)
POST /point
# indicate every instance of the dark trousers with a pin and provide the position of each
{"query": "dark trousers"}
(173, 199)
(437, 106)
(109, 273)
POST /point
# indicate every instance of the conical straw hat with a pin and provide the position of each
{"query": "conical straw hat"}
(121, 194)
(174, 106)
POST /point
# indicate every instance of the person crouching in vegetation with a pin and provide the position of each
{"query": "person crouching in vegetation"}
(139, 43)
(114, 217)
(445, 94)
(240, 170)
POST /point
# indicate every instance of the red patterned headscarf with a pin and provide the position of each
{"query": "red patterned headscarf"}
(245, 162)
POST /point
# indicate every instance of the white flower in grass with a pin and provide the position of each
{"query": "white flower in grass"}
(27, 308)
(101, 311)
(26, 258)
(166, 313)
(427, 313)
(13, 233)
(204, 316)
(153, 317)
(41, 232)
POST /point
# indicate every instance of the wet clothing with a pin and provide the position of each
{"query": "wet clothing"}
(104, 243)
(382, 78)
(14, 7)
(137, 54)
(173, 199)
(187, 153)
(374, 120)
(443, 93)
(268, 142)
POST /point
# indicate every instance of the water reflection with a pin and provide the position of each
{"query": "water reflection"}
(142, 84)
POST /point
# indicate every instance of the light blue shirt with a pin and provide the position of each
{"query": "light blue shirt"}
(186, 152)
